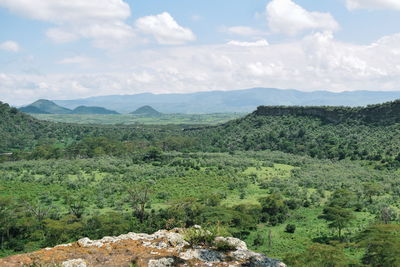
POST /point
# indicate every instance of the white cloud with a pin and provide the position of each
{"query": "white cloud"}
(74, 19)
(286, 17)
(165, 29)
(243, 31)
(10, 46)
(60, 36)
(373, 4)
(262, 42)
(80, 60)
(315, 62)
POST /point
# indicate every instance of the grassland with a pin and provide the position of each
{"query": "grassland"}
(128, 119)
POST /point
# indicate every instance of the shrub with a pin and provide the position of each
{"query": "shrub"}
(290, 228)
(223, 245)
(196, 236)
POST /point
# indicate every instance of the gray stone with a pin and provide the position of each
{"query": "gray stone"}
(86, 242)
(204, 255)
(74, 263)
(163, 262)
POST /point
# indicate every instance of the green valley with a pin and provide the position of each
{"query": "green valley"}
(297, 186)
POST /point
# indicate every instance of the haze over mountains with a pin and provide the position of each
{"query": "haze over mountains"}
(230, 101)
(44, 106)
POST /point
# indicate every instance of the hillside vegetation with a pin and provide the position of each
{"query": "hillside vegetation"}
(310, 186)
(370, 133)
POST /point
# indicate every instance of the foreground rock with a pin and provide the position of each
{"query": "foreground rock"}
(161, 249)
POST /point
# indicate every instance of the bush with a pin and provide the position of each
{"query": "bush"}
(222, 245)
(290, 228)
(196, 236)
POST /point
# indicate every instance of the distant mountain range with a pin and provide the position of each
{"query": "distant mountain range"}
(231, 101)
(92, 110)
(44, 106)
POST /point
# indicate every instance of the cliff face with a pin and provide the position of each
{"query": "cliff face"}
(386, 113)
(163, 248)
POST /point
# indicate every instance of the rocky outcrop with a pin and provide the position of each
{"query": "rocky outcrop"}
(161, 249)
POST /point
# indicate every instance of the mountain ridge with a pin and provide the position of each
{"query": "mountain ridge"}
(44, 106)
(246, 100)
(385, 113)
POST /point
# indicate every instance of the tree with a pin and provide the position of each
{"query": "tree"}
(139, 196)
(382, 244)
(76, 204)
(6, 218)
(318, 255)
(338, 212)
(371, 190)
(342, 198)
(274, 209)
(337, 217)
(153, 154)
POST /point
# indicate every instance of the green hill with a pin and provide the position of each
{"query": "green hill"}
(32, 110)
(17, 129)
(20, 131)
(45, 107)
(371, 133)
(92, 110)
(146, 111)
(386, 113)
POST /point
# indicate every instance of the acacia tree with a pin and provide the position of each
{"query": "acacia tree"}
(138, 197)
(6, 218)
(338, 212)
(371, 190)
(382, 244)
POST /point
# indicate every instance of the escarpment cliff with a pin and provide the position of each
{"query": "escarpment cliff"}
(386, 113)
(163, 248)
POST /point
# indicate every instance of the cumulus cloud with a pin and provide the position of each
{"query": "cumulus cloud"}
(373, 4)
(165, 29)
(287, 17)
(262, 42)
(10, 46)
(243, 31)
(74, 19)
(315, 62)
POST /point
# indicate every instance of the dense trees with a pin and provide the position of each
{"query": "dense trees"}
(59, 200)
(305, 135)
(382, 244)
(320, 202)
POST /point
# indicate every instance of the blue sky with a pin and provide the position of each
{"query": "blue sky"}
(70, 49)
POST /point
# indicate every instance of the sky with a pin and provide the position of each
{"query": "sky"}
(68, 49)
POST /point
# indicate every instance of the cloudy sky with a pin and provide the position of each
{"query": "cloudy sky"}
(63, 49)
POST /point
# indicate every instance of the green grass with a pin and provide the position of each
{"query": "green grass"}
(278, 170)
(128, 119)
(308, 228)
(237, 177)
